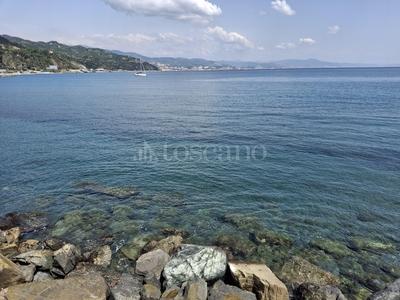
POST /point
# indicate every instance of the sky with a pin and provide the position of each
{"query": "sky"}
(347, 31)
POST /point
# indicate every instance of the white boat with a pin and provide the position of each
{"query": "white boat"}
(141, 72)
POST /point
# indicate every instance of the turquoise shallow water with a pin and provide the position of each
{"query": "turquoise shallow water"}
(309, 154)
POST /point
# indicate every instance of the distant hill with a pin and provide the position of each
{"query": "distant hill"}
(293, 63)
(178, 62)
(39, 55)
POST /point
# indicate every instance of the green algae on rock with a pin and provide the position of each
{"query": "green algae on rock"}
(329, 246)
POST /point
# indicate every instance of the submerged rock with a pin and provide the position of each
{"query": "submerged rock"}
(132, 248)
(27, 222)
(332, 247)
(362, 243)
(244, 222)
(174, 231)
(192, 262)
(114, 191)
(237, 245)
(297, 271)
(270, 237)
(309, 291)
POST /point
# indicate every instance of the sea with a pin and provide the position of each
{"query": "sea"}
(309, 155)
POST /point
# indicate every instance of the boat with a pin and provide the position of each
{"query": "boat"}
(141, 72)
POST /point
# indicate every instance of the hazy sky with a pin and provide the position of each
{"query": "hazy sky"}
(359, 31)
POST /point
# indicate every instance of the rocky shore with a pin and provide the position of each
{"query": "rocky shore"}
(168, 268)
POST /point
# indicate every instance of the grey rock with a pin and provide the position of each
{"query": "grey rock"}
(42, 277)
(67, 257)
(29, 271)
(192, 262)
(309, 291)
(80, 287)
(127, 288)
(222, 291)
(152, 263)
(170, 245)
(150, 292)
(43, 259)
(196, 290)
(53, 243)
(153, 280)
(392, 292)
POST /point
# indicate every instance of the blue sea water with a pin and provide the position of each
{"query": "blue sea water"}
(309, 153)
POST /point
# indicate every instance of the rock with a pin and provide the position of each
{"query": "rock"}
(53, 243)
(309, 291)
(169, 245)
(153, 280)
(152, 263)
(114, 191)
(259, 279)
(67, 257)
(132, 248)
(192, 262)
(101, 256)
(26, 221)
(245, 222)
(42, 277)
(10, 274)
(228, 292)
(237, 245)
(29, 271)
(361, 243)
(81, 287)
(270, 237)
(43, 259)
(392, 292)
(9, 250)
(196, 290)
(127, 288)
(297, 270)
(28, 245)
(174, 231)
(12, 235)
(331, 247)
(3, 294)
(150, 292)
(2, 237)
(172, 293)
(85, 269)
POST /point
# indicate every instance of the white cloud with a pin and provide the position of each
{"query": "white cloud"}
(263, 13)
(333, 29)
(196, 11)
(233, 38)
(285, 46)
(283, 7)
(308, 41)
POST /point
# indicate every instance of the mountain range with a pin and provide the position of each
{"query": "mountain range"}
(18, 54)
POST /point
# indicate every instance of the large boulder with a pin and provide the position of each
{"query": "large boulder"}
(192, 262)
(298, 270)
(42, 259)
(392, 292)
(127, 288)
(10, 273)
(152, 263)
(80, 287)
(66, 258)
(309, 291)
(228, 292)
(259, 279)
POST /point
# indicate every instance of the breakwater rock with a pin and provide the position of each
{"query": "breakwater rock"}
(164, 269)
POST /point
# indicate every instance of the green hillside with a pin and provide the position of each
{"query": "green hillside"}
(20, 54)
